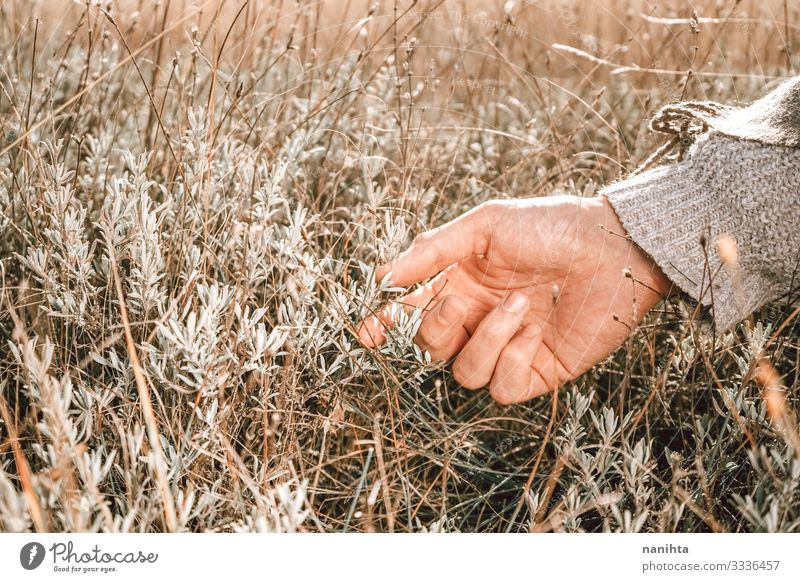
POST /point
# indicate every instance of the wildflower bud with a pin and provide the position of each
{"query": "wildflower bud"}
(727, 249)
(774, 397)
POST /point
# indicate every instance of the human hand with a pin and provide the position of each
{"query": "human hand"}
(527, 294)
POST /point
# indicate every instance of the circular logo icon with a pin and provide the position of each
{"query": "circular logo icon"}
(31, 555)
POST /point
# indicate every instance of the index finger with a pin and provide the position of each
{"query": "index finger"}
(437, 249)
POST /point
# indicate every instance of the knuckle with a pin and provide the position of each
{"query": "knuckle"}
(513, 356)
(491, 206)
(492, 209)
(422, 239)
(427, 337)
(496, 333)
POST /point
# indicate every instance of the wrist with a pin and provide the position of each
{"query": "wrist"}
(618, 248)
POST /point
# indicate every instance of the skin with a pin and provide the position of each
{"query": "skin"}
(523, 294)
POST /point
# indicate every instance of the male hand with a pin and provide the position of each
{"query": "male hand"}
(527, 294)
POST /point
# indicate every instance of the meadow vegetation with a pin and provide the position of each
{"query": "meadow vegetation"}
(193, 198)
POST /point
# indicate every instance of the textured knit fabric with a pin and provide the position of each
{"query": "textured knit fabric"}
(723, 186)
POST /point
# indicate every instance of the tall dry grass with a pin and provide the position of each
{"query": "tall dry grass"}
(192, 199)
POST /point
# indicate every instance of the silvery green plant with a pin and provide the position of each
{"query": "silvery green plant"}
(242, 214)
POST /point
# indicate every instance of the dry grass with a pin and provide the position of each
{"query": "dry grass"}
(191, 202)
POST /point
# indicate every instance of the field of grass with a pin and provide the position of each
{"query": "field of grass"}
(192, 201)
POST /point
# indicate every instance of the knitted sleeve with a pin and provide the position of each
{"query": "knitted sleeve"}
(725, 189)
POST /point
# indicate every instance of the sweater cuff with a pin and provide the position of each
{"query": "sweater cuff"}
(676, 214)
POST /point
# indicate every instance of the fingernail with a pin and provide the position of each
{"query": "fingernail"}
(451, 309)
(370, 332)
(515, 302)
(383, 274)
(364, 336)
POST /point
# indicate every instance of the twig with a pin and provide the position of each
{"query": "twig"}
(153, 434)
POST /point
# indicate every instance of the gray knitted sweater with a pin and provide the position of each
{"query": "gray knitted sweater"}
(739, 178)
